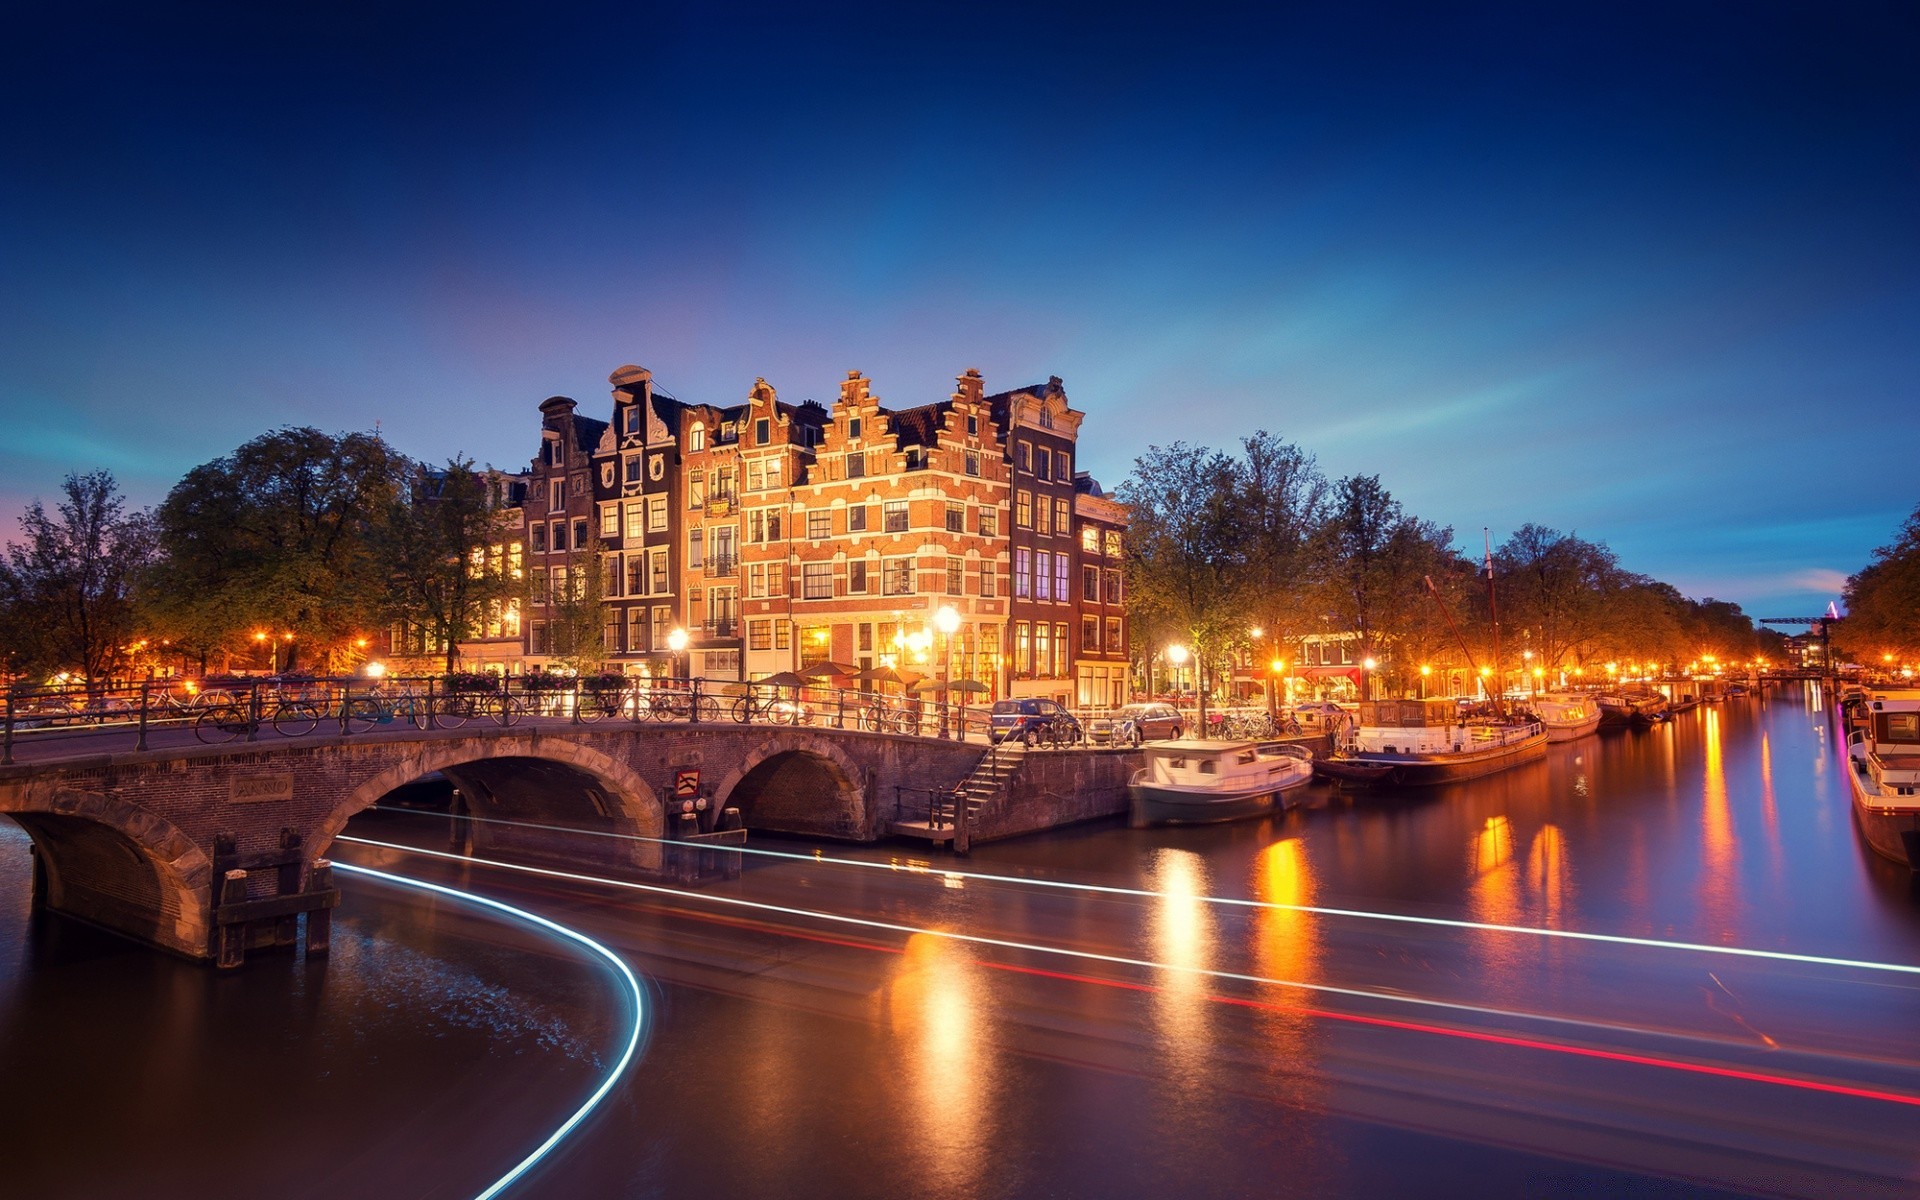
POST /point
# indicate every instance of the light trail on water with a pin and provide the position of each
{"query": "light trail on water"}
(1788, 1081)
(626, 974)
(1362, 914)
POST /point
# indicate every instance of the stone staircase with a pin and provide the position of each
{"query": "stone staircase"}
(986, 785)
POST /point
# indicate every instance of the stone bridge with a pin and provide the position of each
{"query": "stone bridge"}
(207, 850)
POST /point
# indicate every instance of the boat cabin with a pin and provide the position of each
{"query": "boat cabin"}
(1410, 726)
(1205, 764)
(1893, 733)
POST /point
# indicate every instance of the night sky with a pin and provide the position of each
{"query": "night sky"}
(1650, 273)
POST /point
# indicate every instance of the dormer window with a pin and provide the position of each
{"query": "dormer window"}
(973, 426)
(697, 438)
(853, 427)
(762, 432)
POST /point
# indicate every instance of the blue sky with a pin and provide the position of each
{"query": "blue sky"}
(1646, 272)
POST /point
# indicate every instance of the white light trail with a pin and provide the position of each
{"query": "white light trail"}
(1360, 914)
(1029, 947)
(633, 986)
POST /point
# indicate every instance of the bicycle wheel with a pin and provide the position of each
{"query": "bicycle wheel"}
(504, 709)
(743, 710)
(453, 711)
(222, 724)
(364, 712)
(706, 708)
(590, 706)
(295, 718)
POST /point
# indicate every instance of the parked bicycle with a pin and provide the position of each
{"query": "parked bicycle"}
(751, 707)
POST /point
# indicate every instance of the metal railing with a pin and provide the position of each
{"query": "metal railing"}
(219, 710)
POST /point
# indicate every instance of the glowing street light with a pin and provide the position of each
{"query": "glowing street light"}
(947, 620)
(677, 643)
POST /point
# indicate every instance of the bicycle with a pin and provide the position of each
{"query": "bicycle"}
(750, 708)
(362, 713)
(595, 703)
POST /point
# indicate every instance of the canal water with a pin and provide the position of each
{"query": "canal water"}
(792, 1054)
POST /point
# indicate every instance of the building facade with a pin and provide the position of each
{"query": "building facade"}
(777, 536)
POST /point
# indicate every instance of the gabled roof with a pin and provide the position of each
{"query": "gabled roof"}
(586, 432)
(918, 426)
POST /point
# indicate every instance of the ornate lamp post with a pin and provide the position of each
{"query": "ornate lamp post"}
(947, 621)
(677, 643)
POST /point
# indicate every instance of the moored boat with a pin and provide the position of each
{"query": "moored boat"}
(1883, 759)
(1196, 781)
(1417, 743)
(1638, 709)
(1566, 715)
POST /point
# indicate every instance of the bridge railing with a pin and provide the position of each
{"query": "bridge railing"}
(223, 709)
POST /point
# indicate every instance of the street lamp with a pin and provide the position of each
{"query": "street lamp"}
(1369, 665)
(947, 620)
(1426, 672)
(677, 642)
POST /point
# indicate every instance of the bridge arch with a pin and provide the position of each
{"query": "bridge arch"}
(496, 775)
(798, 783)
(116, 865)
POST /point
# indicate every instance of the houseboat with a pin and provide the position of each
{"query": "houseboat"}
(1883, 758)
(1636, 709)
(1415, 743)
(1566, 715)
(1194, 781)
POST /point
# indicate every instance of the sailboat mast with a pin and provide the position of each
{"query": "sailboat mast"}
(1493, 612)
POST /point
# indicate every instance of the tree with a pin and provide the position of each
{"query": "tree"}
(1183, 548)
(1376, 558)
(282, 534)
(1552, 593)
(434, 546)
(67, 590)
(1883, 601)
(575, 614)
(1280, 502)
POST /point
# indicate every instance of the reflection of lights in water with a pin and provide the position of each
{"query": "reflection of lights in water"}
(1101, 889)
(1492, 846)
(1286, 946)
(933, 1006)
(1548, 876)
(1183, 938)
(1716, 818)
(633, 988)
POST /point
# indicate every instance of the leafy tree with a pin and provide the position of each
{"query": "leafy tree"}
(1552, 589)
(67, 590)
(284, 533)
(1883, 601)
(1279, 504)
(575, 615)
(1376, 558)
(433, 545)
(1183, 548)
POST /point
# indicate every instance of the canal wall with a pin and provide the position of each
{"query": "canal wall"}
(1051, 788)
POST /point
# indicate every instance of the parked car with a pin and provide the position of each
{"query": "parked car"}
(1131, 724)
(1032, 722)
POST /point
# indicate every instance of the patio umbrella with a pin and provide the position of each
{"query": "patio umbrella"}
(950, 685)
(828, 667)
(785, 679)
(881, 675)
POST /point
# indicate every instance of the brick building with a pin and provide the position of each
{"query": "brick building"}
(779, 535)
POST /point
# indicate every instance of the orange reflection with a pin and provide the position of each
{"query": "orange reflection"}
(1286, 946)
(1719, 884)
(1549, 878)
(935, 1005)
(1184, 939)
(1494, 898)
